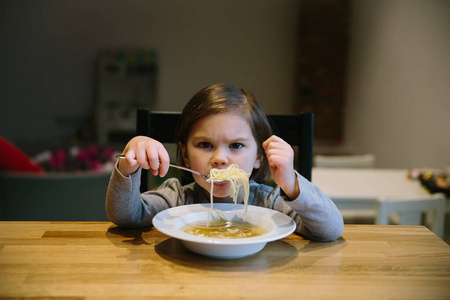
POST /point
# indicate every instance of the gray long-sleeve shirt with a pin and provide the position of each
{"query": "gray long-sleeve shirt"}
(316, 216)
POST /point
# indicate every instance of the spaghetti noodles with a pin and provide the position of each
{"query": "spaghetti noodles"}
(237, 177)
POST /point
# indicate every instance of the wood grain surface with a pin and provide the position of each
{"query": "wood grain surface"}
(98, 260)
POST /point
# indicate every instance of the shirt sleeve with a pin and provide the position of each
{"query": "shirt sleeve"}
(315, 214)
(127, 207)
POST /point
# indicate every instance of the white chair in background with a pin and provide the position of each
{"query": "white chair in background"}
(344, 161)
(353, 216)
(411, 211)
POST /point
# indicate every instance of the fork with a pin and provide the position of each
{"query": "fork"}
(182, 168)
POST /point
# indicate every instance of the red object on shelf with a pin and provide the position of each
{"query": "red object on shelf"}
(13, 159)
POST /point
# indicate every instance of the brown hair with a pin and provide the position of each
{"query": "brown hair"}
(219, 98)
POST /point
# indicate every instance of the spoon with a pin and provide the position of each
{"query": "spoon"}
(182, 168)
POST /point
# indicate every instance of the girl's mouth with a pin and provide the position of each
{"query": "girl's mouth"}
(222, 184)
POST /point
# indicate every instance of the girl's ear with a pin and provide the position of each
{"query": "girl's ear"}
(183, 149)
(258, 161)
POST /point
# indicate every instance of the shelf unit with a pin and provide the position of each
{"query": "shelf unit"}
(125, 81)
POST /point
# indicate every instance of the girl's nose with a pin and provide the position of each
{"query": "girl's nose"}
(219, 158)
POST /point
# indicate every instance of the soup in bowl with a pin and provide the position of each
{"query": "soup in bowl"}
(234, 234)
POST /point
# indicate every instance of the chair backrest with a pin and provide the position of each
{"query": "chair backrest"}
(297, 130)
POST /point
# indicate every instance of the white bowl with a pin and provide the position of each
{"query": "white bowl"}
(170, 222)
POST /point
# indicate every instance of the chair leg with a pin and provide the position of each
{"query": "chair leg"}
(383, 213)
(410, 211)
(438, 223)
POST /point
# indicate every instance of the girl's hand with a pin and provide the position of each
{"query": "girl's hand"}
(281, 161)
(147, 153)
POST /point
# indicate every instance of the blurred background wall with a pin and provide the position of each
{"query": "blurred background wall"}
(49, 49)
(397, 83)
(398, 88)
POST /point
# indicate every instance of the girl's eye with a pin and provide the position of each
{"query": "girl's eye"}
(236, 146)
(205, 145)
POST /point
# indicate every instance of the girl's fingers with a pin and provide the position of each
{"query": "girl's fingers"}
(280, 161)
(279, 149)
(156, 159)
(272, 139)
(151, 156)
(147, 153)
(130, 157)
(275, 142)
(278, 152)
(164, 161)
(274, 152)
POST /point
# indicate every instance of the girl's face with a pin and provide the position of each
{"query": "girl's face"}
(217, 141)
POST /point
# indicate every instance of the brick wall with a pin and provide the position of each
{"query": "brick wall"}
(322, 56)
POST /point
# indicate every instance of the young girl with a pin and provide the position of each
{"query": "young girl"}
(221, 125)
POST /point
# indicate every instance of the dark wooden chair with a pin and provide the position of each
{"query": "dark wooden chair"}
(297, 130)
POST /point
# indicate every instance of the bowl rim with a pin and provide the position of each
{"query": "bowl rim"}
(283, 225)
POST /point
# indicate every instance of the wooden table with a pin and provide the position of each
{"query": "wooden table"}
(97, 260)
